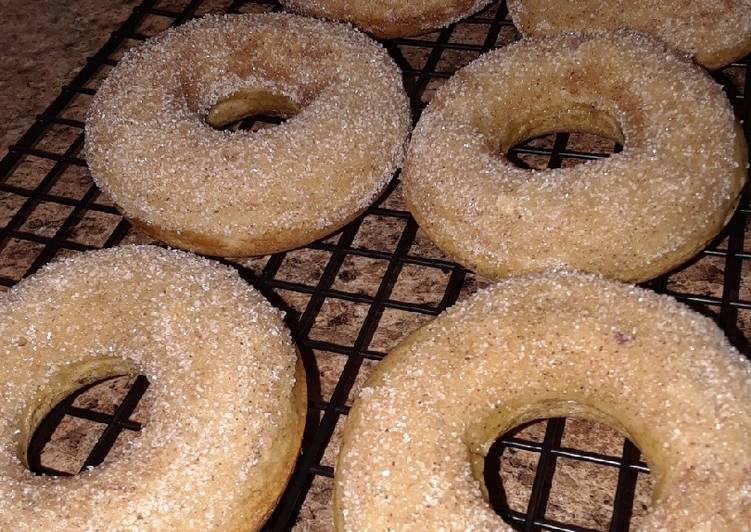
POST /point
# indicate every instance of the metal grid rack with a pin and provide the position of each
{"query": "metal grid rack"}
(44, 174)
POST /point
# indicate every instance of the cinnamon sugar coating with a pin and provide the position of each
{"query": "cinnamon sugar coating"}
(389, 18)
(557, 344)
(632, 216)
(248, 193)
(714, 33)
(226, 402)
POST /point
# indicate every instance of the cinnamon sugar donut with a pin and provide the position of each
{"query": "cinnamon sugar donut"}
(226, 404)
(552, 345)
(714, 33)
(389, 18)
(632, 216)
(243, 193)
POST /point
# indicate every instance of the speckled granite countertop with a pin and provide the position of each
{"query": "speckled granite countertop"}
(45, 43)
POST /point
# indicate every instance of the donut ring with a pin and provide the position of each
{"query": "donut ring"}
(632, 216)
(714, 33)
(553, 345)
(248, 193)
(227, 400)
(390, 18)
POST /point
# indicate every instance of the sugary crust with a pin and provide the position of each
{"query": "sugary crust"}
(226, 405)
(390, 18)
(632, 216)
(714, 33)
(248, 193)
(546, 346)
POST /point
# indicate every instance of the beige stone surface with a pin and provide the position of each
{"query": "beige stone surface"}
(44, 43)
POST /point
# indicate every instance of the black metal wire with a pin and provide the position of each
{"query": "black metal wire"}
(324, 414)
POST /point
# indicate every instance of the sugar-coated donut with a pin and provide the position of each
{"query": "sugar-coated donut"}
(227, 193)
(714, 33)
(550, 345)
(389, 18)
(226, 405)
(632, 216)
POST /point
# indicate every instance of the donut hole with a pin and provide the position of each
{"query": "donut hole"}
(83, 412)
(252, 109)
(567, 137)
(580, 148)
(545, 467)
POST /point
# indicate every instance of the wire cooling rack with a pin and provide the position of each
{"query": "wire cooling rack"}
(351, 296)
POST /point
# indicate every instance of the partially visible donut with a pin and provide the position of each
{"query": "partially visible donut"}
(632, 216)
(714, 33)
(413, 450)
(226, 405)
(389, 18)
(149, 145)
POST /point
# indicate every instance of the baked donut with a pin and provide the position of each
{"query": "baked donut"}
(714, 33)
(149, 146)
(550, 345)
(226, 405)
(389, 18)
(632, 216)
